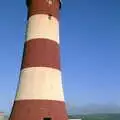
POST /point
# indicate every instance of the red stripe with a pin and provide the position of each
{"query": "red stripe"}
(41, 53)
(38, 109)
(42, 7)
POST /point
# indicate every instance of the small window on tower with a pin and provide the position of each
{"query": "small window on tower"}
(47, 118)
(49, 16)
(50, 2)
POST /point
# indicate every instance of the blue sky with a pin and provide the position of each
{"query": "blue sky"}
(90, 50)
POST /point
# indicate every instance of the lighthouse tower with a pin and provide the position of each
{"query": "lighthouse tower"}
(40, 94)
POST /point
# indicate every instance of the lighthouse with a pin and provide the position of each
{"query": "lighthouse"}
(40, 93)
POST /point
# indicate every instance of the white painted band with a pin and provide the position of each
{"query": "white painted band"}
(41, 26)
(40, 83)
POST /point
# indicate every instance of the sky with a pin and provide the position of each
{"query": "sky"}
(90, 50)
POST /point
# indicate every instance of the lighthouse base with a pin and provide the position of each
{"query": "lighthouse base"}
(39, 110)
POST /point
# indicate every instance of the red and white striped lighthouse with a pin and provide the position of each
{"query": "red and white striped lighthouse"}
(40, 94)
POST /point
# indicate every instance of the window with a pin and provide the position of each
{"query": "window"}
(49, 16)
(50, 2)
(47, 118)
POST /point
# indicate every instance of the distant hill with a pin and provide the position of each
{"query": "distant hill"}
(97, 117)
(93, 109)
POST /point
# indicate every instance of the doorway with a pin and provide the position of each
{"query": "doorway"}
(47, 118)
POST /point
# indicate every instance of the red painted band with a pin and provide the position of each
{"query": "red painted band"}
(38, 110)
(41, 53)
(43, 7)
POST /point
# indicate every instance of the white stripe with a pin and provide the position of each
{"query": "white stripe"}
(40, 83)
(40, 26)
